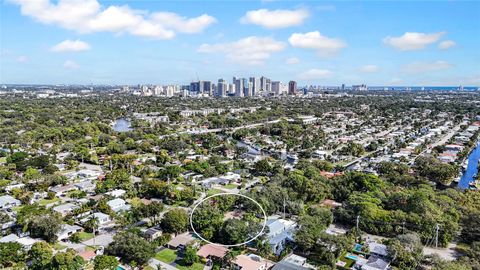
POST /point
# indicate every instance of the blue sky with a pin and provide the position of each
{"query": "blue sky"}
(313, 42)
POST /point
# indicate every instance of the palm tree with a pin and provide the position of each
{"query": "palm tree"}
(93, 223)
(228, 259)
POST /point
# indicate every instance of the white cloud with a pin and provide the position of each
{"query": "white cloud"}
(69, 64)
(251, 50)
(412, 40)
(71, 46)
(324, 46)
(22, 59)
(272, 19)
(421, 67)
(292, 61)
(87, 16)
(314, 74)
(183, 24)
(369, 69)
(447, 44)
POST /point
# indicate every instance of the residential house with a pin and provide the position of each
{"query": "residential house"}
(116, 193)
(118, 205)
(67, 230)
(65, 209)
(152, 233)
(181, 240)
(250, 262)
(210, 251)
(293, 262)
(86, 186)
(7, 201)
(280, 232)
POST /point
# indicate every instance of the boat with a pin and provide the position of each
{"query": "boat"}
(474, 185)
(465, 164)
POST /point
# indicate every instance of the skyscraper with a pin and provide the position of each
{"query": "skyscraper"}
(222, 88)
(263, 83)
(239, 85)
(292, 87)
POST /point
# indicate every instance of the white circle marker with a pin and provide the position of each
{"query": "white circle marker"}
(235, 194)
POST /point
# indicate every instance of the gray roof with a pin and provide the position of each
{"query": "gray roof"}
(7, 199)
(9, 238)
(283, 265)
(375, 263)
(379, 249)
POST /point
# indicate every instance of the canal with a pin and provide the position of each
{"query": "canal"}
(122, 125)
(472, 168)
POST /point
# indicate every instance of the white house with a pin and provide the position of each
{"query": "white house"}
(116, 193)
(65, 209)
(280, 232)
(86, 186)
(101, 217)
(118, 205)
(67, 231)
(7, 201)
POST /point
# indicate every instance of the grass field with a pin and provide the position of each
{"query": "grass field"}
(166, 255)
(231, 186)
(85, 236)
(213, 191)
(195, 266)
(58, 246)
(44, 202)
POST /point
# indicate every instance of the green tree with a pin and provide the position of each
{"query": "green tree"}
(262, 167)
(40, 255)
(11, 254)
(45, 227)
(105, 262)
(175, 221)
(131, 248)
(190, 256)
(68, 260)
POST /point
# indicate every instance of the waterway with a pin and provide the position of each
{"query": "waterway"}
(122, 125)
(472, 168)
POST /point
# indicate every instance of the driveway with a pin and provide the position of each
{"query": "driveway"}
(154, 263)
(100, 240)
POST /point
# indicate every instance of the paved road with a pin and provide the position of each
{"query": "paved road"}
(216, 130)
(448, 253)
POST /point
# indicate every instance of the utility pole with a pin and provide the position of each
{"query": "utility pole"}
(358, 221)
(403, 227)
(436, 235)
(284, 205)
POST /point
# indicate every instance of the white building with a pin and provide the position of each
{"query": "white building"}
(280, 232)
(7, 201)
(118, 205)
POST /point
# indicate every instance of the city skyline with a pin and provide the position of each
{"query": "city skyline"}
(320, 43)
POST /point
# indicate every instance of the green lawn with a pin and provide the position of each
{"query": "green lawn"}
(231, 186)
(195, 266)
(3, 160)
(91, 248)
(85, 236)
(166, 255)
(58, 246)
(213, 191)
(44, 202)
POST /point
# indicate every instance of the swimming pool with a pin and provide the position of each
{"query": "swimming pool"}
(358, 247)
(351, 257)
(120, 268)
